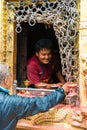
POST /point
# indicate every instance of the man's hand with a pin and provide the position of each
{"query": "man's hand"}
(65, 87)
(54, 85)
(59, 84)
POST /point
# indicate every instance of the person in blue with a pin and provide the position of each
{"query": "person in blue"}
(13, 107)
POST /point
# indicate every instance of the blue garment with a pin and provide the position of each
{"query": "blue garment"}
(13, 107)
(4, 89)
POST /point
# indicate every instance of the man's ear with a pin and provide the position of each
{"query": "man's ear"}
(6, 81)
(36, 53)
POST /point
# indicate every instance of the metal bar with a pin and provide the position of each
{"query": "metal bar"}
(35, 89)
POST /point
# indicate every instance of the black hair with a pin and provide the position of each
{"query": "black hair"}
(43, 44)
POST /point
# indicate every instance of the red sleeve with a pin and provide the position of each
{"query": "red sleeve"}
(33, 74)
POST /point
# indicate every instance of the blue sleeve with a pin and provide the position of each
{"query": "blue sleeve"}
(30, 106)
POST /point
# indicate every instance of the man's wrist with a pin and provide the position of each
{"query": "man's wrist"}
(61, 89)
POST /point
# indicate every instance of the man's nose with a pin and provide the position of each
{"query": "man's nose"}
(46, 56)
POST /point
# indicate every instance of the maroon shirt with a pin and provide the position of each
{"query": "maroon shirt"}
(37, 72)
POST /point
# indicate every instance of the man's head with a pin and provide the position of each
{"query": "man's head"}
(5, 76)
(43, 49)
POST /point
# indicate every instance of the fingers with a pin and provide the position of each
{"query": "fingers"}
(65, 87)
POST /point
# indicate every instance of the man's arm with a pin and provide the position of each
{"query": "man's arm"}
(47, 85)
(60, 77)
(30, 106)
(33, 77)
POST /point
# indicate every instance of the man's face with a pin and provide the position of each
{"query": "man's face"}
(44, 55)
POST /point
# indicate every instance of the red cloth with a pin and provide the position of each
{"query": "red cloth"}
(37, 72)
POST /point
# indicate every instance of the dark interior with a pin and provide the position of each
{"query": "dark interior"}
(25, 46)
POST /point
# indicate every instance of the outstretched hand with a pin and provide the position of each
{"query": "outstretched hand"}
(65, 87)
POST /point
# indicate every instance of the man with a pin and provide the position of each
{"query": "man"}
(42, 65)
(13, 107)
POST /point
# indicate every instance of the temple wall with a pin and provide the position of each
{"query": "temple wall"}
(8, 44)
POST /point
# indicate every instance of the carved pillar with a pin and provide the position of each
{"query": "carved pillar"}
(6, 40)
(83, 50)
(0, 29)
(11, 45)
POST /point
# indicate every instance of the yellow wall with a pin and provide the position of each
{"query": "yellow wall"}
(83, 50)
